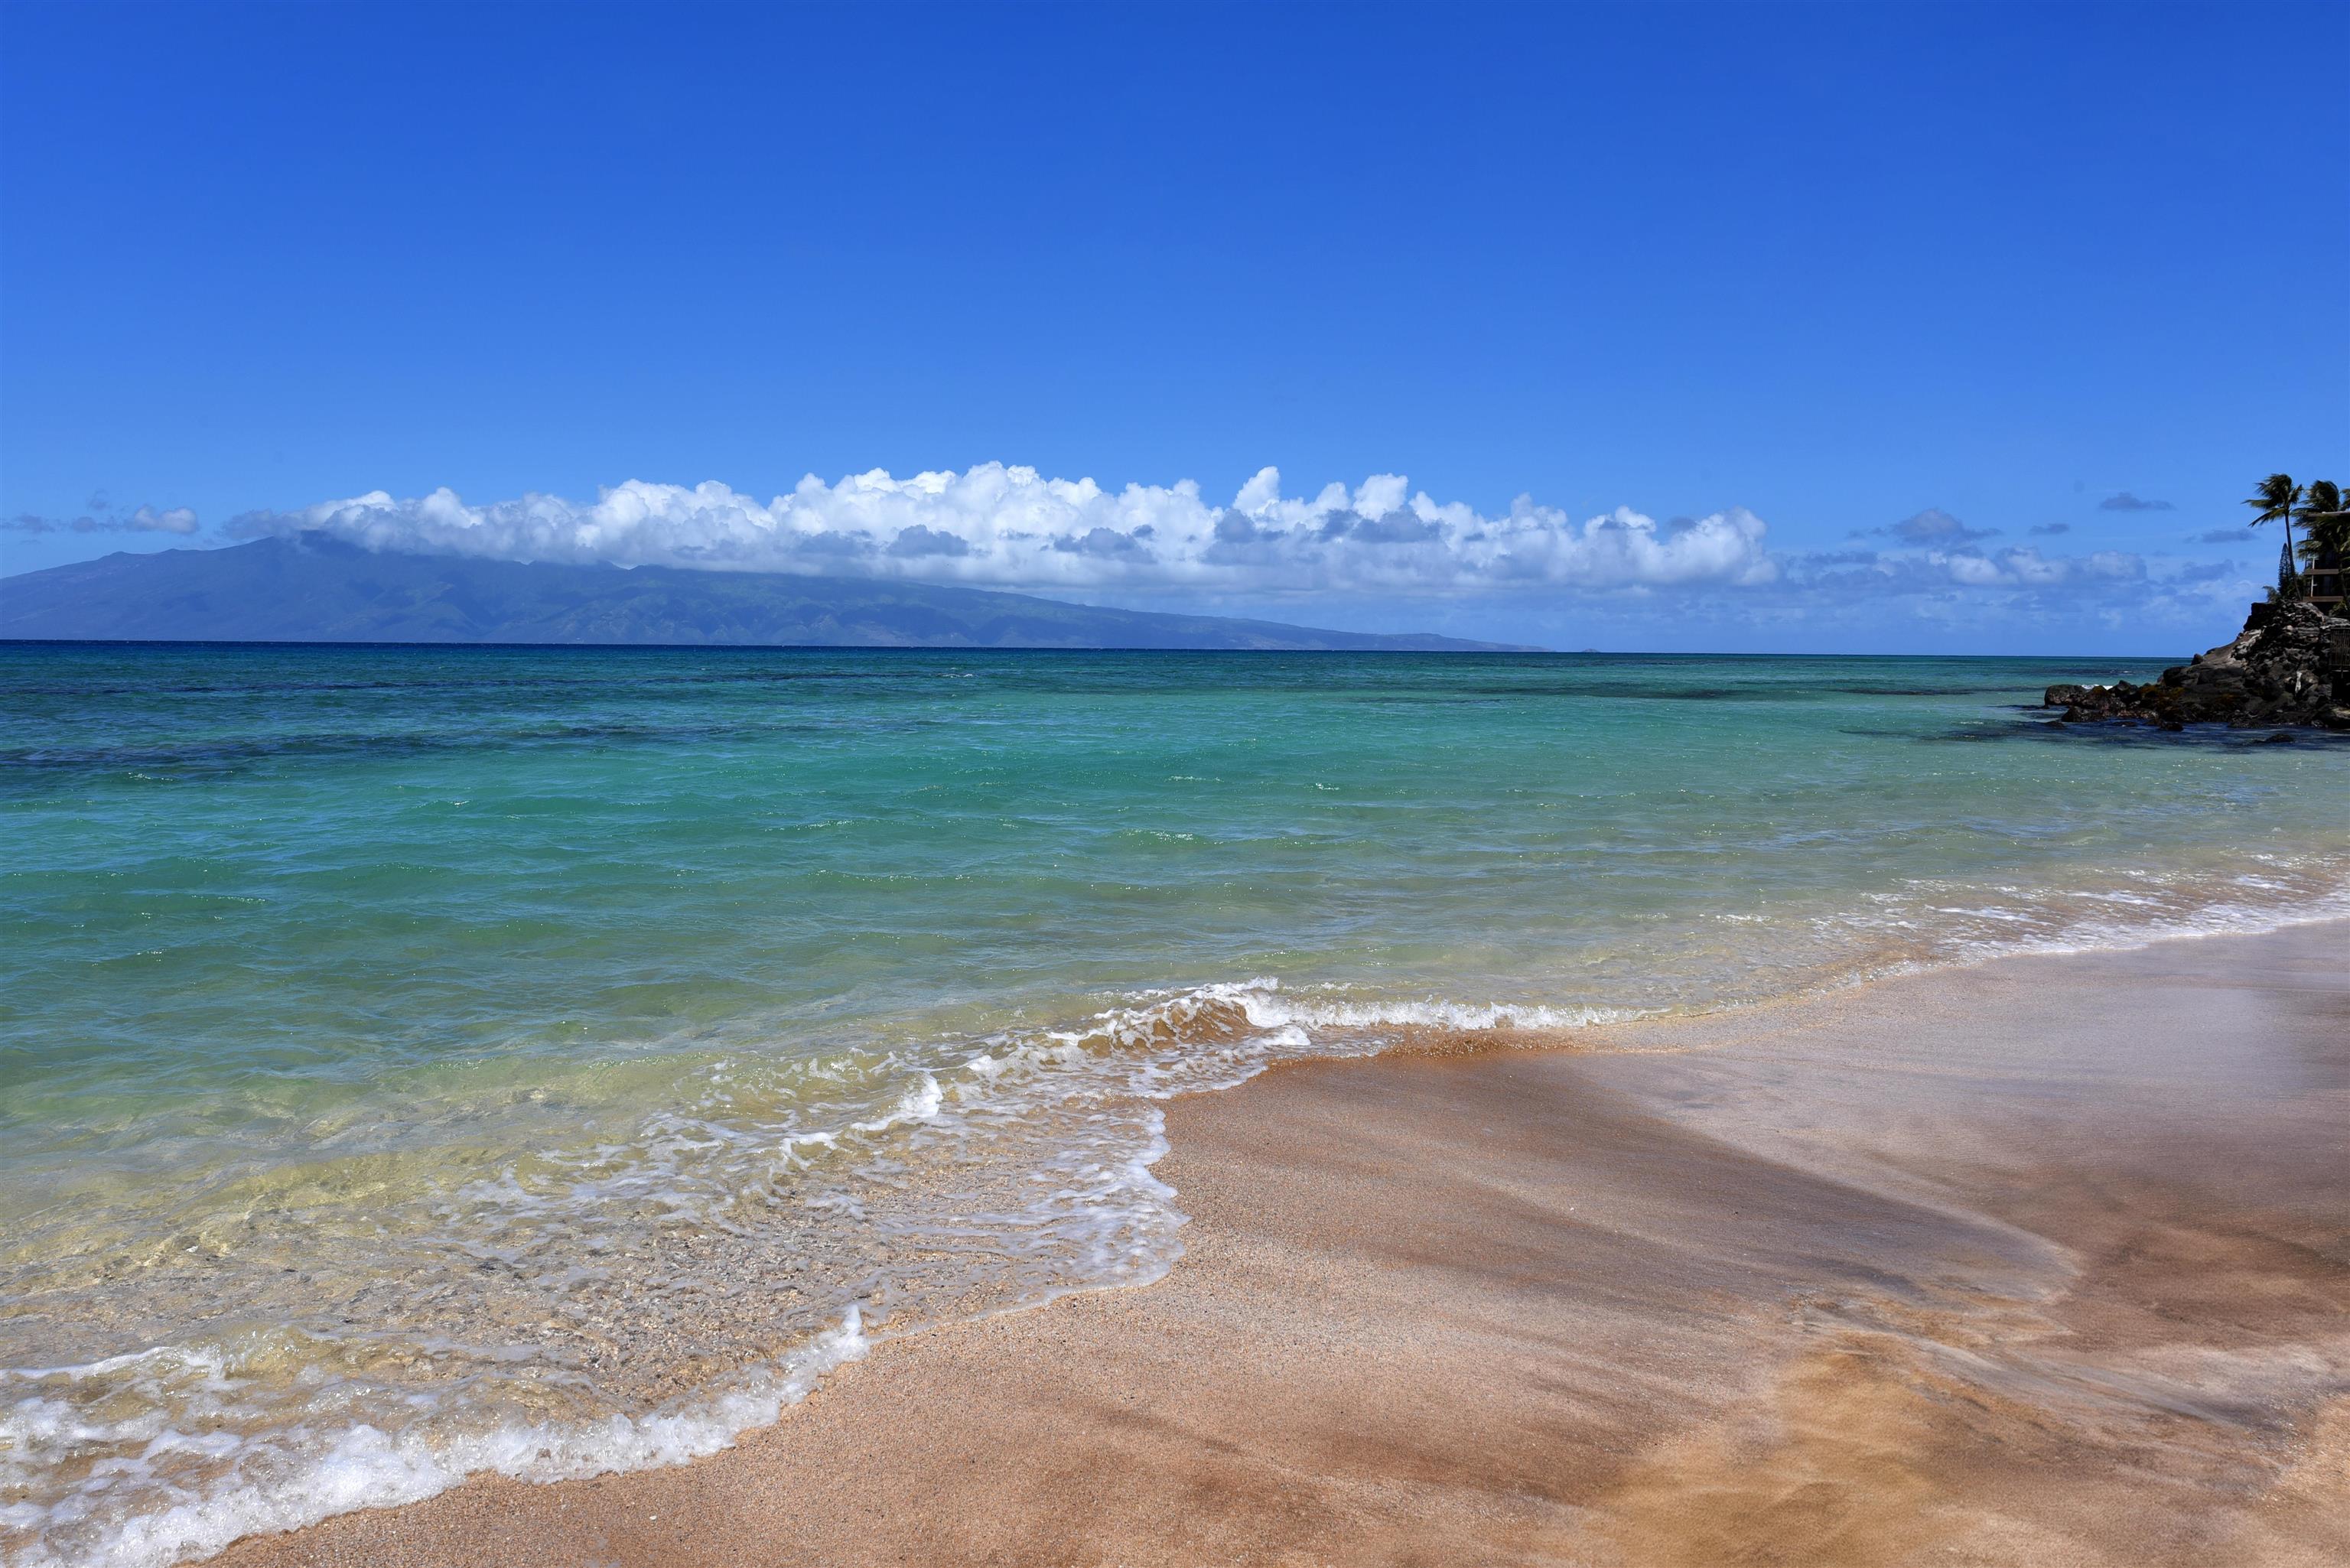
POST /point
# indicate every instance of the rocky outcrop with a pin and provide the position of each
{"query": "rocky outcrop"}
(2290, 666)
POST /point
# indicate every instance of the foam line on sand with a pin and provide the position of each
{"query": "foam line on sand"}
(2046, 1261)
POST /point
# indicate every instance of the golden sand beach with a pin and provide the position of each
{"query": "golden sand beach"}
(2046, 1261)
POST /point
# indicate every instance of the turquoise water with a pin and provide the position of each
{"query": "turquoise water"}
(419, 1061)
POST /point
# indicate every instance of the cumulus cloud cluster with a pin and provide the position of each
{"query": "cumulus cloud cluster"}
(1011, 526)
(1379, 542)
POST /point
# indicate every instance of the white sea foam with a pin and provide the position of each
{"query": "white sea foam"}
(1020, 1162)
(1336, 1013)
(2054, 922)
(365, 1467)
(1040, 1144)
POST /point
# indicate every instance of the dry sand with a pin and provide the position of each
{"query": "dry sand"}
(2045, 1262)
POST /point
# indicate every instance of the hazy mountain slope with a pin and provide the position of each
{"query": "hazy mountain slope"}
(316, 589)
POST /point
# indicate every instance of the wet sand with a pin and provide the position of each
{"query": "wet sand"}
(2043, 1262)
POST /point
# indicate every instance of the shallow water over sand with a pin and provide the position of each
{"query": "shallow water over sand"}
(419, 1061)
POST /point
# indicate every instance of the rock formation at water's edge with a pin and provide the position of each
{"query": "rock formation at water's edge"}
(2289, 667)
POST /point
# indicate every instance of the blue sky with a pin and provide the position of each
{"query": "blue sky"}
(1836, 326)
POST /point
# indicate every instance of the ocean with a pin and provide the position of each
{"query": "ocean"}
(416, 1062)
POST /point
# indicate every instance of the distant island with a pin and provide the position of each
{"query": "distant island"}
(315, 588)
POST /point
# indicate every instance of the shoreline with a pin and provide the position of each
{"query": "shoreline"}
(1844, 1278)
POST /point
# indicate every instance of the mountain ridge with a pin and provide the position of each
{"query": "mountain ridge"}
(315, 588)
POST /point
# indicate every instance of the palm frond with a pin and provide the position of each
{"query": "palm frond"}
(2274, 499)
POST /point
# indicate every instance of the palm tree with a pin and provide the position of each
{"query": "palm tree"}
(2273, 500)
(2322, 520)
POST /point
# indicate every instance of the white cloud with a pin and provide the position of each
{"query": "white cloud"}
(147, 520)
(1012, 527)
(103, 519)
(1935, 526)
(1379, 542)
(2028, 568)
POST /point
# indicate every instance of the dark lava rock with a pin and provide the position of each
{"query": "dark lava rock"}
(2275, 673)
